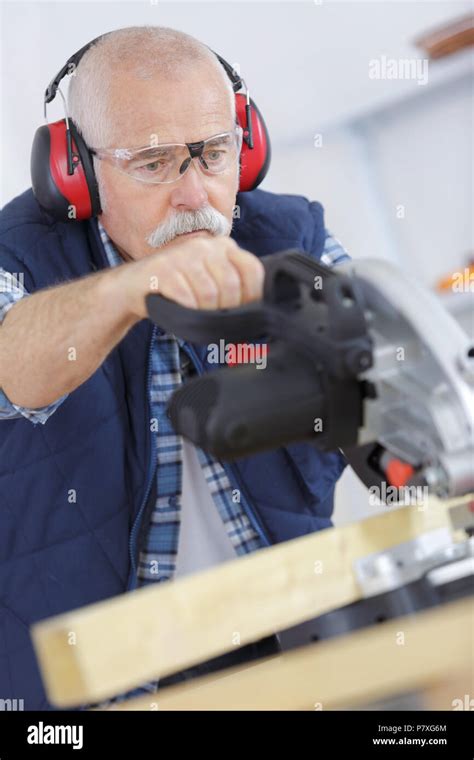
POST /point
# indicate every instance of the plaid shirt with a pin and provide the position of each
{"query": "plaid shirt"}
(157, 558)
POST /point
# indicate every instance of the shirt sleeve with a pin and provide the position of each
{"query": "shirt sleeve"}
(333, 253)
(11, 291)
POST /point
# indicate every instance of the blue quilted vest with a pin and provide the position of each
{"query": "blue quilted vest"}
(56, 555)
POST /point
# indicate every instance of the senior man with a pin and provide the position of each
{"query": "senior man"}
(98, 495)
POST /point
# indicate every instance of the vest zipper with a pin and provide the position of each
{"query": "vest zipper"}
(132, 581)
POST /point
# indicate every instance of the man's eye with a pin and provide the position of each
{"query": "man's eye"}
(214, 155)
(154, 165)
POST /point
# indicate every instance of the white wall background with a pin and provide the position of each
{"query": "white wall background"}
(385, 143)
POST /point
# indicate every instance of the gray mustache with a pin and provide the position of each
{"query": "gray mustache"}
(189, 221)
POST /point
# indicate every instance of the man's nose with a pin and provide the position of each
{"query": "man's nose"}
(189, 192)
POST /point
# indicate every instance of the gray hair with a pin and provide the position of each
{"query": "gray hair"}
(145, 51)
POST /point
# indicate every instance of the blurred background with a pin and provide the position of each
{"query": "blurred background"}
(389, 156)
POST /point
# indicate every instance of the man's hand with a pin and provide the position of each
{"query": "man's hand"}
(92, 314)
(200, 273)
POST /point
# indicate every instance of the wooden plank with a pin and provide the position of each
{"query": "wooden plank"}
(454, 693)
(449, 38)
(107, 648)
(432, 651)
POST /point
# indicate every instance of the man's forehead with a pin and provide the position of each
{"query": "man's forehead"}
(159, 134)
(157, 113)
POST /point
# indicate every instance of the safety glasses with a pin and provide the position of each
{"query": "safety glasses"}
(162, 164)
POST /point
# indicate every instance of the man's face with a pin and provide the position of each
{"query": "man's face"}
(185, 109)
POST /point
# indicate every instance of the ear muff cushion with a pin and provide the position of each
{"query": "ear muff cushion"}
(88, 167)
(254, 162)
(64, 196)
(45, 189)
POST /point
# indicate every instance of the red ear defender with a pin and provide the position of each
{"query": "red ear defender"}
(65, 195)
(254, 161)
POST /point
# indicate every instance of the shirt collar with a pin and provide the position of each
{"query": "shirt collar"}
(113, 256)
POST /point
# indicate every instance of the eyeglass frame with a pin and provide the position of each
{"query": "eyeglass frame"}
(195, 151)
